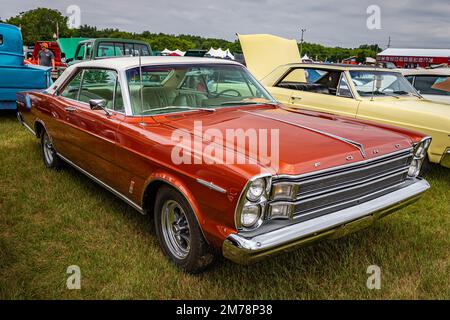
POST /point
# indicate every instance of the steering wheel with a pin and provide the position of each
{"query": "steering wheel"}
(229, 90)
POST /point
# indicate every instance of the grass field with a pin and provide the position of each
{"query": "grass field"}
(52, 219)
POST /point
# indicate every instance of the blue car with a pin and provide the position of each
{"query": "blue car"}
(16, 76)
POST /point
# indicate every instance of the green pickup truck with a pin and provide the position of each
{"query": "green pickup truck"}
(101, 48)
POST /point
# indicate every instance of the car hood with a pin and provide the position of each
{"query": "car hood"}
(264, 52)
(307, 141)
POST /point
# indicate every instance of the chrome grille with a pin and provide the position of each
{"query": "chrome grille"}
(321, 193)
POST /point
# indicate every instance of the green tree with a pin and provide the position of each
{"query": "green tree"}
(40, 24)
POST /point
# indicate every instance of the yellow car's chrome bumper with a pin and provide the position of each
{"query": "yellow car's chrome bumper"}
(241, 249)
(445, 161)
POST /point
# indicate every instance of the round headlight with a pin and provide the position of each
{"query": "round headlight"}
(414, 168)
(256, 189)
(250, 215)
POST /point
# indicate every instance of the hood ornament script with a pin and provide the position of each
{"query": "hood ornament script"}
(355, 144)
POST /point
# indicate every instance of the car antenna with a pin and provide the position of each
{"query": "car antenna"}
(142, 123)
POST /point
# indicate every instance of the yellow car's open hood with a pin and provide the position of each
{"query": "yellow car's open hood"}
(264, 52)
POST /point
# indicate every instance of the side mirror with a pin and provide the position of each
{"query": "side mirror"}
(98, 104)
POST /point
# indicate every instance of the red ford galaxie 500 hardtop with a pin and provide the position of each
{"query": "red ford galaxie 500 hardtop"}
(200, 146)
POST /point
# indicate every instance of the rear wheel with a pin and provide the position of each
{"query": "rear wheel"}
(51, 159)
(179, 233)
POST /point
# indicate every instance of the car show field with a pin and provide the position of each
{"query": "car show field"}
(53, 219)
(195, 153)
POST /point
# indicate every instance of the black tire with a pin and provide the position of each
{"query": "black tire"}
(49, 155)
(199, 255)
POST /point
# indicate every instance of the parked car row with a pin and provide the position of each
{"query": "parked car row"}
(363, 93)
(225, 163)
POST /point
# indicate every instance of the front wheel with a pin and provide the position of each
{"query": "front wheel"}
(179, 233)
(51, 159)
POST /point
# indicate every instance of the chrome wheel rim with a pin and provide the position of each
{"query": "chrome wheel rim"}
(175, 229)
(48, 149)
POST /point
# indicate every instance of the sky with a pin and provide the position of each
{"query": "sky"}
(409, 23)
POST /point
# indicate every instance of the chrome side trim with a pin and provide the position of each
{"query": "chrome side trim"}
(244, 249)
(101, 183)
(19, 117)
(211, 186)
(368, 161)
(355, 144)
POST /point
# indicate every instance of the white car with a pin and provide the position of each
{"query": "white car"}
(432, 84)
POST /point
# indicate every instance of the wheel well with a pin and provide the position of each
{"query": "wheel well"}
(39, 129)
(150, 196)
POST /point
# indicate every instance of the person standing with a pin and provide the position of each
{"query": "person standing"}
(46, 57)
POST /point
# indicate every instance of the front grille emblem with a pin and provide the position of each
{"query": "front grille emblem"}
(317, 164)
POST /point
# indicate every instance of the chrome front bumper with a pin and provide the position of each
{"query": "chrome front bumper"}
(244, 250)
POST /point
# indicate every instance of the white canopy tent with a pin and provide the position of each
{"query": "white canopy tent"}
(220, 53)
(168, 52)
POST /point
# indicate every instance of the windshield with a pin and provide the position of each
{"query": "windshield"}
(165, 89)
(381, 83)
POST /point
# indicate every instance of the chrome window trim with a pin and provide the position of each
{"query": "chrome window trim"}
(82, 70)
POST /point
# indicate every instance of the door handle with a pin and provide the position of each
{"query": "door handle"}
(295, 98)
(70, 109)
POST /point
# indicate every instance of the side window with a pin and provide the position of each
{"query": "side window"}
(119, 49)
(296, 75)
(98, 84)
(143, 49)
(118, 99)
(410, 79)
(80, 52)
(433, 85)
(105, 49)
(312, 80)
(129, 50)
(344, 88)
(72, 88)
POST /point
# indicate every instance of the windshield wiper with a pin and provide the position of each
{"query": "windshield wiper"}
(180, 107)
(243, 103)
(409, 93)
(389, 94)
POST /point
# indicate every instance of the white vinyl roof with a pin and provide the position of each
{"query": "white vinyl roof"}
(415, 52)
(125, 63)
(444, 72)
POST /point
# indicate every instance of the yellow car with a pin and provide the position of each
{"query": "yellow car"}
(365, 93)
